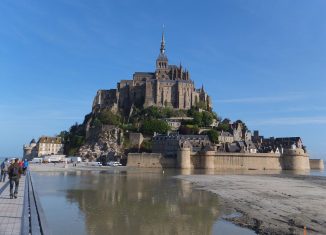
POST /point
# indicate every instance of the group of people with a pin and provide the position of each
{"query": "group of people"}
(14, 168)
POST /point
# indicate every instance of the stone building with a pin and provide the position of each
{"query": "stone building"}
(225, 137)
(30, 150)
(168, 86)
(282, 143)
(237, 131)
(44, 146)
(169, 144)
(49, 146)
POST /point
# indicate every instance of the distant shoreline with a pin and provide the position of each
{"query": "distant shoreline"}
(52, 167)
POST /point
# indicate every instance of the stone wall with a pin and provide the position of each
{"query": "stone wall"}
(221, 161)
(316, 164)
(150, 160)
(209, 160)
(235, 161)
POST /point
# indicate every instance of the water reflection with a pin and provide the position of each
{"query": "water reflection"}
(144, 203)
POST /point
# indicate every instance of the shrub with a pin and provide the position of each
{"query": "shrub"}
(154, 125)
(213, 136)
(108, 118)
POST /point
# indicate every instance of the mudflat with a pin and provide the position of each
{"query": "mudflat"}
(277, 204)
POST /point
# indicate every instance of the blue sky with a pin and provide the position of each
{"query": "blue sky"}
(261, 61)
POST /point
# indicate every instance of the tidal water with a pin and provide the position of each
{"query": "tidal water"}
(129, 202)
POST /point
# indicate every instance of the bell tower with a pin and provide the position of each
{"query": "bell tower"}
(162, 60)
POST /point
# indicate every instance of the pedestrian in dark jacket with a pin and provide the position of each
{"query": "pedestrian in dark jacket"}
(14, 171)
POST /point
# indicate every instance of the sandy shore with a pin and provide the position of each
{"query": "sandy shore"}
(270, 204)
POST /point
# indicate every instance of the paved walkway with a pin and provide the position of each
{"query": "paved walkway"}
(11, 210)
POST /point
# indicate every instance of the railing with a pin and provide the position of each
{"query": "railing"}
(4, 187)
(33, 219)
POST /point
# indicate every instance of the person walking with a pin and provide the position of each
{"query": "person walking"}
(4, 169)
(21, 163)
(25, 166)
(14, 171)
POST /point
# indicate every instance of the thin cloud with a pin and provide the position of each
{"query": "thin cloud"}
(290, 121)
(262, 99)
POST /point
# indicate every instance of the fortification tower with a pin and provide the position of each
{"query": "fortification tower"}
(184, 156)
(295, 159)
(208, 159)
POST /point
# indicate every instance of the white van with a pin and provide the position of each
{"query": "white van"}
(114, 163)
(75, 159)
(36, 160)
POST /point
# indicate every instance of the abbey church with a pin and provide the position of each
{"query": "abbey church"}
(169, 86)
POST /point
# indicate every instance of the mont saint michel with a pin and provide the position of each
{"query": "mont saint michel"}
(210, 125)
(160, 122)
(168, 86)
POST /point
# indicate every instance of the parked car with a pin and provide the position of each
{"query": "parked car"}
(36, 160)
(114, 163)
(95, 163)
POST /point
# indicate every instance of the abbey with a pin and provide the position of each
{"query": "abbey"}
(169, 86)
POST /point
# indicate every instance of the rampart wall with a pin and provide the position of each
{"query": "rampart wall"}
(250, 161)
(316, 164)
(221, 161)
(150, 160)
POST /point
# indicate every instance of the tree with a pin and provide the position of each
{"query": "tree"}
(213, 135)
(198, 118)
(226, 121)
(188, 130)
(108, 118)
(207, 118)
(154, 125)
(223, 127)
(146, 146)
(96, 122)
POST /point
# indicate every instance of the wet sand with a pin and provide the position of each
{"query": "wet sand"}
(279, 204)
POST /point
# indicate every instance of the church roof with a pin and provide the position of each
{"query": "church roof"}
(144, 73)
(162, 57)
(49, 140)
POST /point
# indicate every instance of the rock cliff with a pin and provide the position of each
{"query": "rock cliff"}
(104, 140)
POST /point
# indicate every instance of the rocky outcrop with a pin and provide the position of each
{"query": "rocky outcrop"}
(105, 140)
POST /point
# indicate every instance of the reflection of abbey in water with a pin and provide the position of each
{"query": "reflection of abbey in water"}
(144, 204)
(168, 86)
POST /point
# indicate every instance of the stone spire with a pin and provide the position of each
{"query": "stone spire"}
(162, 60)
(162, 49)
(202, 88)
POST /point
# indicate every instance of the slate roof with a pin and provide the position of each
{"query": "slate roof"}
(50, 140)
